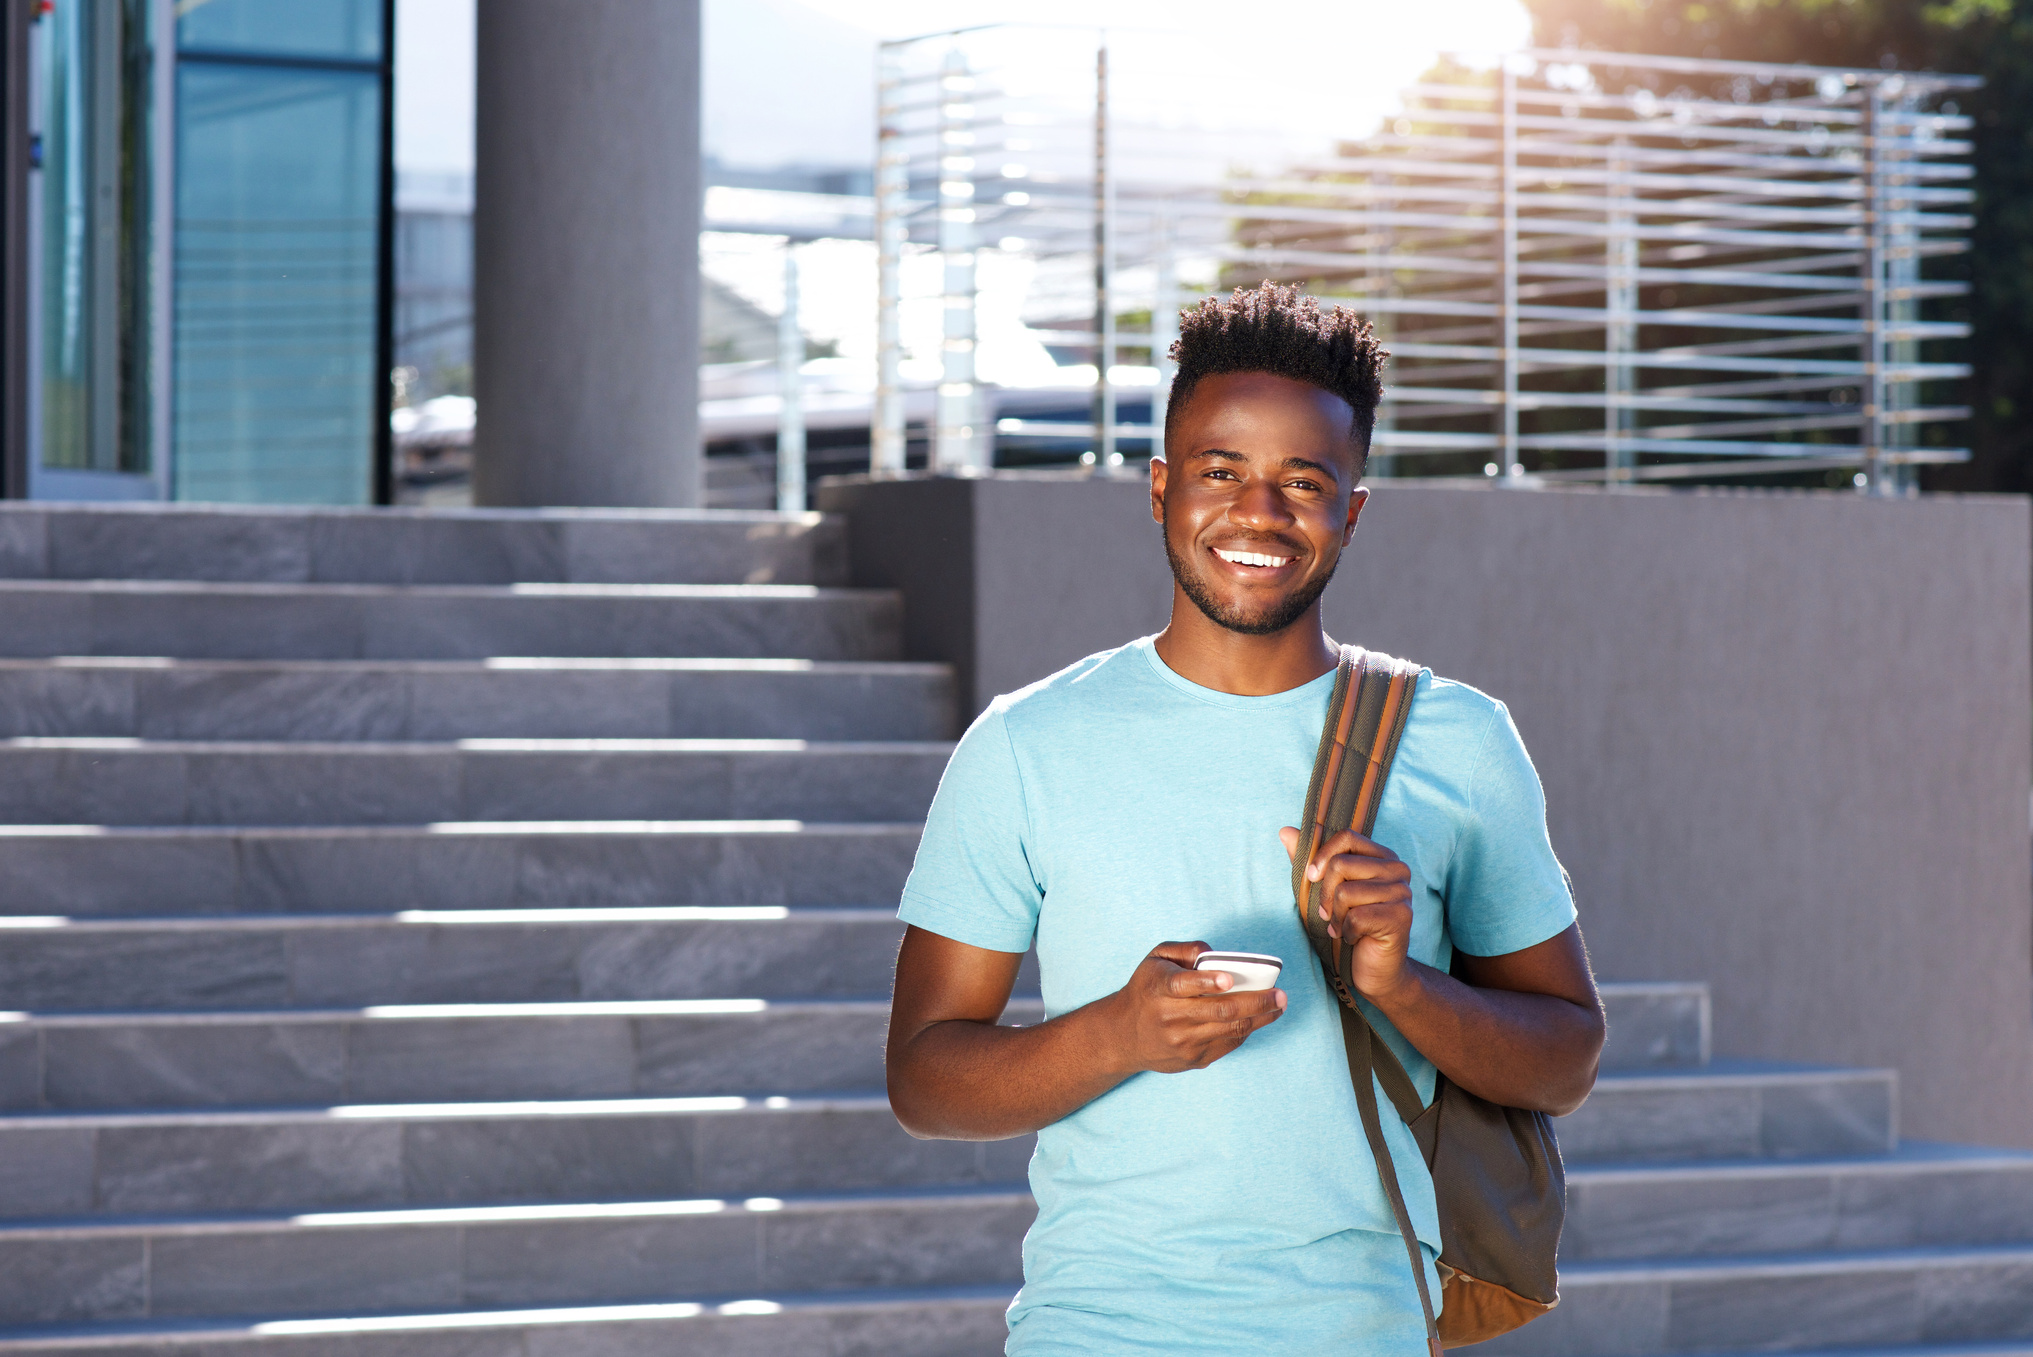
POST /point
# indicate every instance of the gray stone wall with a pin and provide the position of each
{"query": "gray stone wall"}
(1785, 737)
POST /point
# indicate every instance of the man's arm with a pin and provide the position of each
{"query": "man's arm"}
(955, 1075)
(1522, 1030)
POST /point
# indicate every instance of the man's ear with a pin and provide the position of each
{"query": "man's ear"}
(1356, 499)
(1158, 470)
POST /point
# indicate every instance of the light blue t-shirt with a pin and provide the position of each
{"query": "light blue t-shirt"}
(1115, 806)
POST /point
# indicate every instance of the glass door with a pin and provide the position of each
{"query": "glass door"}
(281, 375)
(96, 204)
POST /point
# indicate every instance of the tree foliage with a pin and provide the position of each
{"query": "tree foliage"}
(1990, 38)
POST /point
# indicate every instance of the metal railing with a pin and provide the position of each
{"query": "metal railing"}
(1588, 266)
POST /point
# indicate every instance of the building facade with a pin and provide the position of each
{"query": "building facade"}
(200, 250)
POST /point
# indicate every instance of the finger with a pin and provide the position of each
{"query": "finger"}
(1356, 867)
(1215, 1042)
(1351, 878)
(1238, 1028)
(1388, 925)
(1351, 897)
(1289, 837)
(1346, 841)
(1343, 895)
(1222, 1009)
(1188, 984)
(1222, 1037)
(1179, 953)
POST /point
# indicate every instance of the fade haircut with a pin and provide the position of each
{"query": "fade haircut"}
(1277, 329)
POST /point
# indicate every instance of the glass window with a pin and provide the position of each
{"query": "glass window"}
(302, 28)
(278, 211)
(95, 239)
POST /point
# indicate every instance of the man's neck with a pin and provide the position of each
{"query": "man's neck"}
(1203, 651)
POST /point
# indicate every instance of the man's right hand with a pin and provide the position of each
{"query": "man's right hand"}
(1170, 1017)
(956, 1074)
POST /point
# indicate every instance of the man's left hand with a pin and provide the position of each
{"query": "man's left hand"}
(1365, 899)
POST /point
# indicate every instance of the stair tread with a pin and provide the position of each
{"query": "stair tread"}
(169, 1332)
(590, 915)
(496, 663)
(439, 829)
(632, 1105)
(186, 1330)
(2008, 1347)
(732, 593)
(138, 514)
(484, 1214)
(1909, 1156)
(1739, 1071)
(1710, 1267)
(692, 1105)
(460, 827)
(561, 1009)
(120, 744)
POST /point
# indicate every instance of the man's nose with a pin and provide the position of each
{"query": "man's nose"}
(1260, 505)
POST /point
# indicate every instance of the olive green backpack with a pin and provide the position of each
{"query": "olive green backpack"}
(1496, 1171)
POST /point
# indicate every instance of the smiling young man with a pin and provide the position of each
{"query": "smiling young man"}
(1203, 1181)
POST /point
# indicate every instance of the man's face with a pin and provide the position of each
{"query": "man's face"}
(1257, 496)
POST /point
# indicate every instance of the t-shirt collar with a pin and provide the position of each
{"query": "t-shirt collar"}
(1314, 690)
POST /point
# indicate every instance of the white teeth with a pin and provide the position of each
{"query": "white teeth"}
(1251, 558)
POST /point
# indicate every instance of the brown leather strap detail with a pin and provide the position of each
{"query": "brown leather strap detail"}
(1356, 1036)
(1366, 715)
(1335, 754)
(1390, 724)
(1327, 764)
(1369, 697)
(1398, 1085)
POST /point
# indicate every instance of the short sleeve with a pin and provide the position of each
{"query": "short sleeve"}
(1506, 890)
(972, 881)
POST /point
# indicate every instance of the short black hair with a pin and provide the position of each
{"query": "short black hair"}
(1278, 329)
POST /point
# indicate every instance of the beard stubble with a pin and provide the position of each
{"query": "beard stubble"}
(1272, 618)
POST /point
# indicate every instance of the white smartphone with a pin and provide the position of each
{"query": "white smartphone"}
(1252, 970)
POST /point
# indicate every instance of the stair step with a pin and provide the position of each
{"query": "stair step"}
(414, 546)
(622, 1149)
(117, 782)
(509, 698)
(41, 618)
(74, 1163)
(1734, 1110)
(374, 1262)
(219, 964)
(490, 1257)
(440, 1053)
(2001, 1348)
(449, 956)
(86, 870)
(1921, 1194)
(1655, 1025)
(1786, 1302)
(951, 1322)
(935, 1322)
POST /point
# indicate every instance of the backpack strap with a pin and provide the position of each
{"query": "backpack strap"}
(1363, 1045)
(1365, 719)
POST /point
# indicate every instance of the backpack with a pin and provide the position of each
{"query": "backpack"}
(1497, 1176)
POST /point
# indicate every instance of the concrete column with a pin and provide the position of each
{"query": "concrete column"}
(585, 253)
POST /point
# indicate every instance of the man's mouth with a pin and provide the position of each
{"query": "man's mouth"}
(1258, 559)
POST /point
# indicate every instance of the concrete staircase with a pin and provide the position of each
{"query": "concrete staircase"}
(468, 934)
